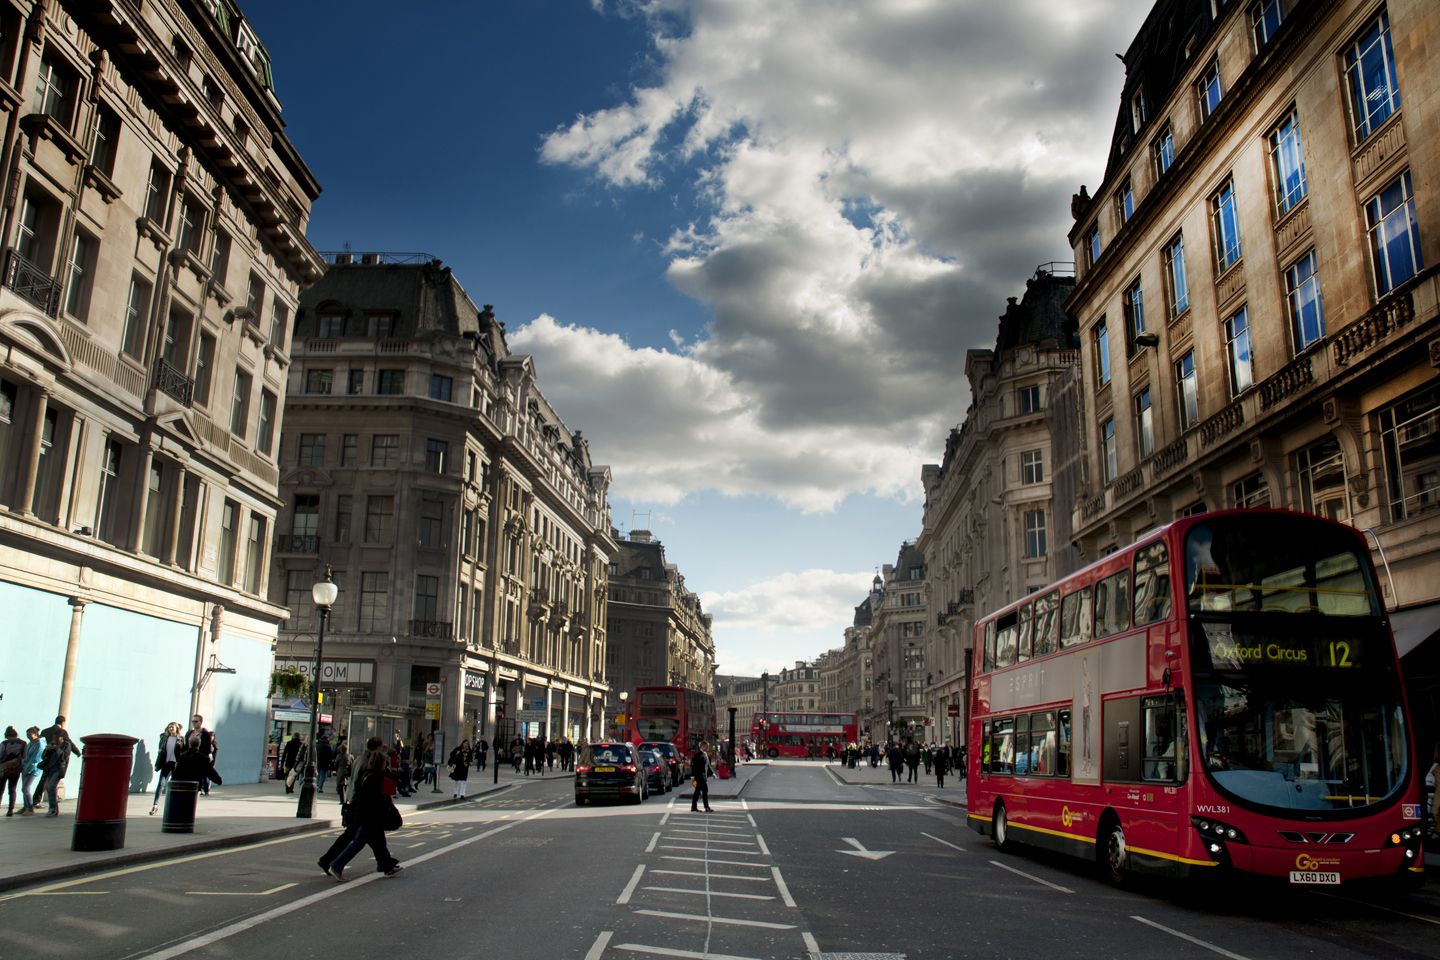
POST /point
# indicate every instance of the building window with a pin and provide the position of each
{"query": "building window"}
(192, 223)
(1032, 466)
(312, 450)
(319, 381)
(1125, 202)
(55, 87)
(39, 229)
(107, 136)
(328, 326)
(1370, 75)
(229, 533)
(279, 322)
(1252, 491)
(355, 382)
(349, 450)
(440, 387)
(432, 523)
(1134, 306)
(265, 434)
(1164, 151)
(137, 312)
(1187, 392)
(1302, 297)
(1208, 90)
(1138, 113)
(1108, 451)
(297, 598)
(220, 257)
(1265, 17)
(1092, 245)
(914, 692)
(344, 512)
(390, 382)
(240, 405)
(1394, 234)
(1322, 480)
(437, 455)
(255, 299)
(1287, 163)
(1028, 399)
(107, 513)
(380, 326)
(379, 518)
(1178, 283)
(1102, 352)
(1144, 424)
(305, 519)
(254, 553)
(385, 450)
(374, 601)
(427, 598)
(1034, 533)
(157, 192)
(1237, 351)
(175, 348)
(79, 272)
(204, 369)
(1410, 436)
(1226, 217)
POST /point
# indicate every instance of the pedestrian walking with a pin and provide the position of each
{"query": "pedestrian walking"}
(30, 770)
(700, 779)
(896, 758)
(213, 752)
(912, 761)
(927, 757)
(12, 759)
(55, 762)
(167, 754)
(482, 750)
(324, 760)
(460, 769)
(962, 761)
(941, 761)
(196, 760)
(368, 814)
(290, 760)
(344, 763)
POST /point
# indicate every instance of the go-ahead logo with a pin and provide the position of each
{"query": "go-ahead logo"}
(1070, 817)
(1307, 862)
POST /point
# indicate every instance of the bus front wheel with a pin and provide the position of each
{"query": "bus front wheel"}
(1113, 855)
(772, 753)
(1001, 824)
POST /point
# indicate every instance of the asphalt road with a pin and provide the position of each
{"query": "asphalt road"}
(802, 864)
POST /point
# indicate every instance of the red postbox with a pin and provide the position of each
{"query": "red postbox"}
(104, 791)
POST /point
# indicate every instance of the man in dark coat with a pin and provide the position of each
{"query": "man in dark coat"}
(896, 758)
(294, 748)
(324, 761)
(699, 772)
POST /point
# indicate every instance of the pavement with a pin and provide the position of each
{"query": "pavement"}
(953, 793)
(37, 849)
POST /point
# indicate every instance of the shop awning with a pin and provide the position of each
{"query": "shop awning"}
(1414, 626)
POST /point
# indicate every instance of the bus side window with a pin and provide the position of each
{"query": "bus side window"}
(1112, 604)
(1075, 617)
(1047, 624)
(1062, 744)
(1005, 645)
(989, 647)
(1002, 750)
(1159, 718)
(1026, 648)
(1152, 583)
(985, 737)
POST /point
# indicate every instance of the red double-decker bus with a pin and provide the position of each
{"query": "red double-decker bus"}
(678, 715)
(1223, 695)
(803, 734)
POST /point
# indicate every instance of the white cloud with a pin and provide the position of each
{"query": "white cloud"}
(875, 179)
(757, 620)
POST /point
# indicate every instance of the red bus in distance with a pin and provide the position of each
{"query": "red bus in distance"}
(1222, 696)
(803, 734)
(678, 715)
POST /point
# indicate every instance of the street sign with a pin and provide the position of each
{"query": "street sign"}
(432, 689)
(533, 716)
(952, 709)
(432, 710)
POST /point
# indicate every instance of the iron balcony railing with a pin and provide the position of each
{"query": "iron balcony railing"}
(297, 543)
(434, 629)
(31, 282)
(172, 381)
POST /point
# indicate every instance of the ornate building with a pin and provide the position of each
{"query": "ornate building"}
(465, 523)
(746, 695)
(992, 530)
(659, 635)
(154, 231)
(797, 689)
(1256, 294)
(900, 614)
(856, 668)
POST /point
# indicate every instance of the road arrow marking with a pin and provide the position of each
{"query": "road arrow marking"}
(860, 850)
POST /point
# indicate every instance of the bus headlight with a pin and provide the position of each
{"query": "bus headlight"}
(1215, 835)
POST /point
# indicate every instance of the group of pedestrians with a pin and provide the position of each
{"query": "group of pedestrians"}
(906, 758)
(185, 756)
(539, 755)
(36, 765)
(368, 812)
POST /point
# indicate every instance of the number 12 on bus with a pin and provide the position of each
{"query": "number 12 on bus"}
(803, 734)
(1224, 695)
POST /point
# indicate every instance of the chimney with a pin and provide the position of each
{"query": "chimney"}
(641, 536)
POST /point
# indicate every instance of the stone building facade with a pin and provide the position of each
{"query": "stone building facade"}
(1257, 296)
(464, 521)
(746, 695)
(796, 689)
(856, 668)
(659, 633)
(154, 249)
(993, 529)
(900, 600)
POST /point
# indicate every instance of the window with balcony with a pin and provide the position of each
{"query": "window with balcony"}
(265, 428)
(1187, 391)
(379, 518)
(1394, 234)
(1238, 351)
(321, 381)
(1370, 78)
(204, 369)
(175, 348)
(1410, 437)
(35, 241)
(1101, 336)
(1265, 19)
(1302, 300)
(305, 520)
(1144, 424)
(1035, 545)
(1109, 453)
(137, 313)
(427, 598)
(385, 450)
(1208, 90)
(1163, 151)
(1133, 303)
(390, 382)
(1032, 466)
(1225, 217)
(437, 456)
(312, 450)
(240, 404)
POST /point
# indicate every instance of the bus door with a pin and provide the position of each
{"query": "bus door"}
(1146, 744)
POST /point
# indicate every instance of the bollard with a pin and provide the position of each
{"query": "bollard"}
(180, 807)
(104, 785)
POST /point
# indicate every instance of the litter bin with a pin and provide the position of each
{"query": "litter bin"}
(180, 807)
(104, 791)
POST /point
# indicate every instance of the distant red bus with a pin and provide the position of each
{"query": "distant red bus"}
(803, 734)
(1222, 696)
(676, 715)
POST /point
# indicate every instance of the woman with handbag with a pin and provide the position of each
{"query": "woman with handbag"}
(368, 815)
(460, 769)
(167, 754)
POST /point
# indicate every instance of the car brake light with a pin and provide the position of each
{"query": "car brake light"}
(582, 769)
(629, 768)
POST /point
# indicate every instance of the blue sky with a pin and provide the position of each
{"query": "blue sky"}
(747, 241)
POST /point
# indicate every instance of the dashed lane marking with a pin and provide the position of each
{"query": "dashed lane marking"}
(784, 888)
(728, 843)
(810, 943)
(238, 893)
(946, 842)
(1189, 939)
(1031, 876)
(711, 893)
(712, 876)
(728, 863)
(674, 952)
(654, 839)
(597, 949)
(702, 918)
(630, 887)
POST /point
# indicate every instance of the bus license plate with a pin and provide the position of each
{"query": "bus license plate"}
(1314, 876)
(604, 769)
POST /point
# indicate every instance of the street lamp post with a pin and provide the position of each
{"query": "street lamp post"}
(323, 593)
(624, 701)
(890, 710)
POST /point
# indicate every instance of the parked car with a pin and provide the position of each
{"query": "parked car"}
(670, 753)
(609, 770)
(657, 771)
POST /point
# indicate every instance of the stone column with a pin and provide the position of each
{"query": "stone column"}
(142, 497)
(30, 469)
(565, 711)
(72, 653)
(172, 534)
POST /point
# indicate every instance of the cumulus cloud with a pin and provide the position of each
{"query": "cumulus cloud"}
(874, 180)
(751, 619)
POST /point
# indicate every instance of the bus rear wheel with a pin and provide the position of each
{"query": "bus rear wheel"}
(1001, 826)
(1113, 855)
(772, 753)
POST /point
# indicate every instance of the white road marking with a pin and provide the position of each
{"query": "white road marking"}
(728, 863)
(784, 889)
(733, 921)
(1195, 940)
(597, 949)
(810, 943)
(712, 893)
(630, 887)
(654, 839)
(69, 893)
(412, 846)
(761, 841)
(946, 842)
(227, 893)
(713, 876)
(673, 952)
(1031, 876)
(730, 843)
(249, 923)
(734, 830)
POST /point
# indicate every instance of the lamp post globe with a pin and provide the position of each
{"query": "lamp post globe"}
(324, 593)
